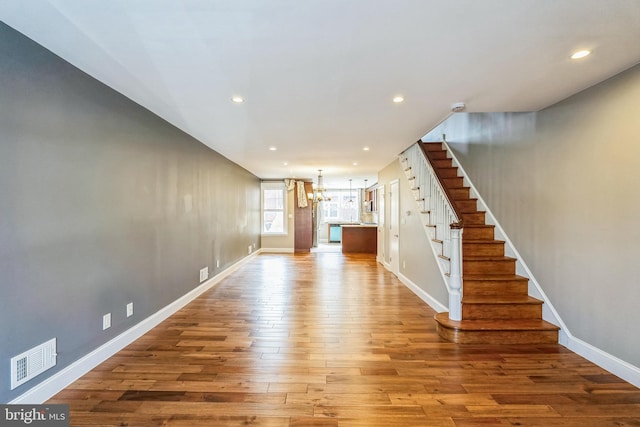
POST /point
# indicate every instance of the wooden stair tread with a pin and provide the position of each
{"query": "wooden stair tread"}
(496, 307)
(447, 171)
(433, 146)
(486, 258)
(501, 299)
(495, 325)
(485, 247)
(458, 187)
(494, 277)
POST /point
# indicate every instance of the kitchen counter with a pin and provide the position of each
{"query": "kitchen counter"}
(360, 238)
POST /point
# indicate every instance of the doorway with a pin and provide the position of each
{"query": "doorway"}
(394, 228)
(381, 254)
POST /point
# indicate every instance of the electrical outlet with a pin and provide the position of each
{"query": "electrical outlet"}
(130, 309)
(217, 263)
(249, 249)
(404, 264)
(106, 321)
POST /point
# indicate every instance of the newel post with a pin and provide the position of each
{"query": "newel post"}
(455, 275)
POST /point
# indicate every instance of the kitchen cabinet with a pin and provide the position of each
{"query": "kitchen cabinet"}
(360, 239)
(370, 200)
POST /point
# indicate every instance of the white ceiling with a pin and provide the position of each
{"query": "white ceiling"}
(318, 76)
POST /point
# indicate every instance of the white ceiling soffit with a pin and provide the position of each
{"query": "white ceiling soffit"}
(318, 76)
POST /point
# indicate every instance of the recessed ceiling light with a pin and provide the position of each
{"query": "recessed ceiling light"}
(580, 54)
(286, 163)
(366, 148)
(355, 163)
(398, 99)
(237, 99)
(272, 148)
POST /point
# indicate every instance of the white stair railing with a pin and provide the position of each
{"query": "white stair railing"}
(442, 224)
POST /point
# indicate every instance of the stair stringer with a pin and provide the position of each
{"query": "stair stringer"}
(549, 313)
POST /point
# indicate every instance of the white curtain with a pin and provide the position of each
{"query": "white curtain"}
(302, 195)
(290, 184)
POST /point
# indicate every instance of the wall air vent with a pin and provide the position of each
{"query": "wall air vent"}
(32, 362)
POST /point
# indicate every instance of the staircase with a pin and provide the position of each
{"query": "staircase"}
(496, 306)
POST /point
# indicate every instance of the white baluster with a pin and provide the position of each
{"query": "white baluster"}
(445, 220)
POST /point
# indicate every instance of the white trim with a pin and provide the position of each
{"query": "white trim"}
(616, 366)
(549, 312)
(422, 294)
(54, 384)
(607, 361)
(432, 245)
(278, 250)
(280, 186)
(51, 386)
(388, 221)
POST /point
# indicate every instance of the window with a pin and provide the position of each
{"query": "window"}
(343, 207)
(274, 208)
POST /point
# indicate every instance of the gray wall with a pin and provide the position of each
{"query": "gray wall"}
(101, 203)
(563, 182)
(417, 262)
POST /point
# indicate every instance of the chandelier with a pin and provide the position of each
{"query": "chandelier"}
(319, 192)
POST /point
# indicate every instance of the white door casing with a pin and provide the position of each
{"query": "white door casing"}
(394, 228)
(381, 225)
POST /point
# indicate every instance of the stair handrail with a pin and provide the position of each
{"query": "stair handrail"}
(444, 216)
(445, 190)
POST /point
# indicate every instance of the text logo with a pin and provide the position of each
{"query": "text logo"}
(34, 415)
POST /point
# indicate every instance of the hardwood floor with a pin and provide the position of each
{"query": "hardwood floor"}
(323, 339)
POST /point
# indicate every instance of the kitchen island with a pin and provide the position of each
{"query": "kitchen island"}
(359, 238)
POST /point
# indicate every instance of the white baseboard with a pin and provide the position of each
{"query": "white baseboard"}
(607, 361)
(424, 296)
(54, 384)
(278, 250)
(618, 367)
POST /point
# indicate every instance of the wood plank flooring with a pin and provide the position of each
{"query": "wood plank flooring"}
(324, 339)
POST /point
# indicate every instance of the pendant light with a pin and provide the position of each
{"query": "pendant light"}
(350, 202)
